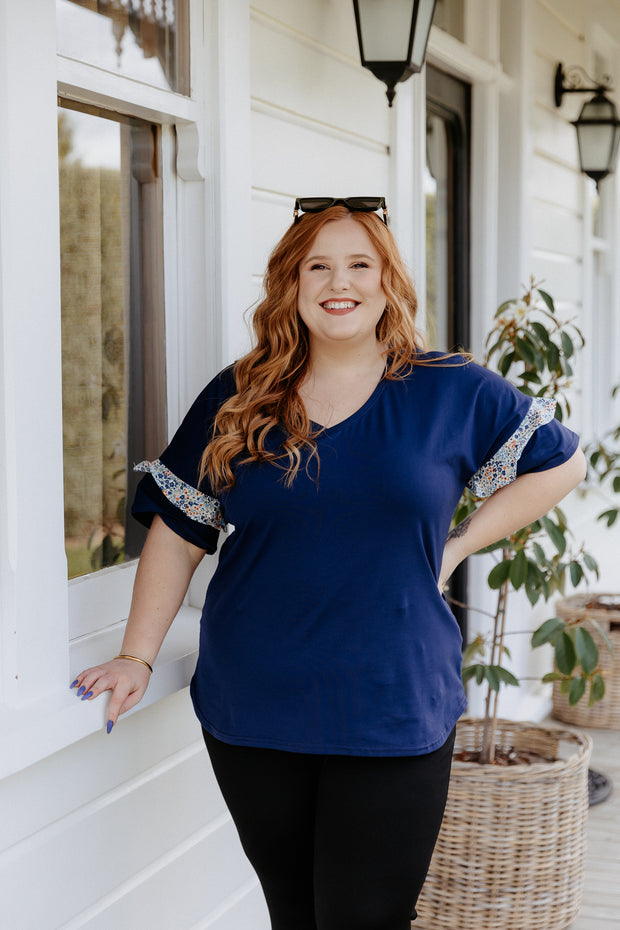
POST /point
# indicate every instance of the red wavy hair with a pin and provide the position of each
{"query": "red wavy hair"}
(269, 376)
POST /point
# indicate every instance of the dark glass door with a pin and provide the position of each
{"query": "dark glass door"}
(447, 210)
(447, 185)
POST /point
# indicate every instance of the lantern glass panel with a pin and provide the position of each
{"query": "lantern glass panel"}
(386, 28)
(596, 145)
(422, 29)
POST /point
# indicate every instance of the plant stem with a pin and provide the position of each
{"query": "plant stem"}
(490, 715)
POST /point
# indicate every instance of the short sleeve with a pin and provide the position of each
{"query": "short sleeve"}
(170, 485)
(523, 433)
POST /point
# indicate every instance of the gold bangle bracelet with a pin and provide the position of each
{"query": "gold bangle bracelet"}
(136, 659)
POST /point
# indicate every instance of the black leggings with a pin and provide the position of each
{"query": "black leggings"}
(338, 842)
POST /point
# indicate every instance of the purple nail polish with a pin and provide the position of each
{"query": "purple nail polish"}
(73, 684)
(81, 691)
(110, 725)
(88, 694)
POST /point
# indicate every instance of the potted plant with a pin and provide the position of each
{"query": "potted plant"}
(511, 848)
(600, 610)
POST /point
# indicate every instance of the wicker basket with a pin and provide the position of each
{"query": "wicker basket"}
(605, 609)
(511, 849)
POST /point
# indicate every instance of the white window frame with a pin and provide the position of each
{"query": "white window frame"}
(207, 245)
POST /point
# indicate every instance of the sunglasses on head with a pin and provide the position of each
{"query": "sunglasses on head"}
(355, 204)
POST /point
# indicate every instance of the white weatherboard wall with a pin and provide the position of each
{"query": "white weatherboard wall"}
(126, 831)
(320, 123)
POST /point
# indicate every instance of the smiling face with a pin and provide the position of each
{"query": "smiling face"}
(340, 294)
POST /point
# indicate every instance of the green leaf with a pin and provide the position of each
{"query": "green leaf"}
(505, 363)
(504, 675)
(565, 685)
(539, 552)
(492, 677)
(616, 484)
(555, 534)
(552, 676)
(503, 307)
(603, 633)
(597, 690)
(480, 672)
(499, 574)
(475, 648)
(548, 299)
(553, 358)
(590, 562)
(609, 515)
(576, 691)
(586, 649)
(526, 352)
(468, 673)
(501, 544)
(576, 573)
(547, 632)
(542, 333)
(567, 344)
(518, 570)
(533, 592)
(565, 657)
(532, 377)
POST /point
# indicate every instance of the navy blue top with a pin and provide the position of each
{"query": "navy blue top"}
(323, 630)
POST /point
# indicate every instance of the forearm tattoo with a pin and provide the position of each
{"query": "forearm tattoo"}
(461, 528)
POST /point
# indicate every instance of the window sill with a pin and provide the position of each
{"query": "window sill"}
(33, 732)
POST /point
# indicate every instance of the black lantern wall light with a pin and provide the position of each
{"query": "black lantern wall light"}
(598, 126)
(393, 35)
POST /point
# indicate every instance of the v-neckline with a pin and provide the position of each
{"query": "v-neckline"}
(370, 400)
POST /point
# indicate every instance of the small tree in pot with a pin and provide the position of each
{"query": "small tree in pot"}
(513, 837)
(532, 348)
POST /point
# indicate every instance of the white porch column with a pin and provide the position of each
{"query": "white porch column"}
(33, 587)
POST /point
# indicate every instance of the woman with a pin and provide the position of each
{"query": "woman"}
(328, 680)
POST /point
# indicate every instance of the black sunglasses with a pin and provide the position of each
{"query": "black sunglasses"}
(355, 204)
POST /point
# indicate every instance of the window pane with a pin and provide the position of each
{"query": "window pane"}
(112, 329)
(436, 187)
(143, 39)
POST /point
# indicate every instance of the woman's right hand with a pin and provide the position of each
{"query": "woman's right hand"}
(125, 678)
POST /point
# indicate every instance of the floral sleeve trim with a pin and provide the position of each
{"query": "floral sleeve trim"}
(501, 469)
(194, 504)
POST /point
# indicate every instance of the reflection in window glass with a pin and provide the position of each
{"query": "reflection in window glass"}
(143, 39)
(437, 231)
(103, 253)
(450, 16)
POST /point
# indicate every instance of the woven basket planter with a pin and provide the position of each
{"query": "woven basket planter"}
(605, 609)
(511, 849)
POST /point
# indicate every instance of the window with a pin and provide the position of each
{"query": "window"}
(446, 187)
(450, 16)
(447, 179)
(143, 39)
(113, 372)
